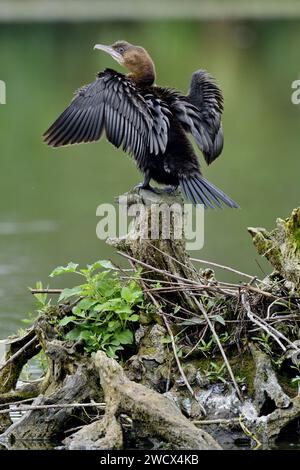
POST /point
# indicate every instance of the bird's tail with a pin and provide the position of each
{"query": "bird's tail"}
(200, 191)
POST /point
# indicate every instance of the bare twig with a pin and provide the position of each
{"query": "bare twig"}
(161, 271)
(153, 299)
(46, 291)
(198, 342)
(193, 270)
(258, 321)
(26, 400)
(60, 406)
(268, 328)
(248, 433)
(259, 291)
(216, 421)
(226, 268)
(212, 328)
(178, 278)
(18, 353)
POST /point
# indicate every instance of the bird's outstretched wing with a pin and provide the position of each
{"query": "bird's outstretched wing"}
(200, 113)
(112, 103)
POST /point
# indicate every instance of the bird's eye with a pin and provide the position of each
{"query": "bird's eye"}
(121, 50)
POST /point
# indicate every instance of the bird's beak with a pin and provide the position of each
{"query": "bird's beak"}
(114, 54)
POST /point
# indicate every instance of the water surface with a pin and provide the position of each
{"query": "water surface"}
(48, 198)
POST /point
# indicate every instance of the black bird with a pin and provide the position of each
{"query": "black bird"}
(149, 122)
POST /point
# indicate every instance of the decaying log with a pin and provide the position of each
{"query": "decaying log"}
(271, 409)
(11, 368)
(153, 414)
(281, 247)
(71, 378)
(266, 384)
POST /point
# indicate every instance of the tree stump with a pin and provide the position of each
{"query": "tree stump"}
(157, 394)
(281, 247)
(156, 238)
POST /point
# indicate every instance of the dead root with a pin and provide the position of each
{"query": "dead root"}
(153, 414)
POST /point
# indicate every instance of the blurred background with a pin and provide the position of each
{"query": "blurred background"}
(48, 198)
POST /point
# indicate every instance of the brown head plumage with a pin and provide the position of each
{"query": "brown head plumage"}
(135, 58)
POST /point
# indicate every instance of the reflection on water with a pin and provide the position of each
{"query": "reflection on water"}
(48, 198)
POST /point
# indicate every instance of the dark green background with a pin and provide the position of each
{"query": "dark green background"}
(48, 198)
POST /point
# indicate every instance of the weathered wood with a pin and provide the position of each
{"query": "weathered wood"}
(71, 378)
(162, 213)
(11, 369)
(281, 247)
(149, 389)
(267, 424)
(153, 414)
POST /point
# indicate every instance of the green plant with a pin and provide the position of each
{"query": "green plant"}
(240, 380)
(206, 346)
(264, 342)
(224, 337)
(42, 304)
(296, 379)
(36, 365)
(105, 311)
(216, 373)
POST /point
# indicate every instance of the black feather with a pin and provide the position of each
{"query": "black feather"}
(198, 189)
(114, 99)
(150, 123)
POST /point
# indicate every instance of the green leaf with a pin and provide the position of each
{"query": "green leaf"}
(124, 337)
(67, 293)
(70, 268)
(106, 264)
(105, 307)
(192, 321)
(41, 298)
(130, 295)
(86, 304)
(210, 304)
(86, 335)
(222, 379)
(166, 340)
(64, 321)
(114, 325)
(74, 334)
(179, 352)
(220, 319)
(133, 317)
(296, 379)
(78, 312)
(177, 309)
(111, 351)
(124, 309)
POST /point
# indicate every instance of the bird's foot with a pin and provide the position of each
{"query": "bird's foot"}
(169, 189)
(147, 187)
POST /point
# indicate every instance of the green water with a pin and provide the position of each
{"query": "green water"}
(48, 198)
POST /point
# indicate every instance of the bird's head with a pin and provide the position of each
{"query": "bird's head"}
(135, 58)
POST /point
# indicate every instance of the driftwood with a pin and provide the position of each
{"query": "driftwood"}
(152, 414)
(70, 378)
(271, 409)
(281, 247)
(166, 385)
(19, 351)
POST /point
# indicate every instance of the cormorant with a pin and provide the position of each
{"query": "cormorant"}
(149, 122)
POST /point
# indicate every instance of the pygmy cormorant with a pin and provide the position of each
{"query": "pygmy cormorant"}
(149, 122)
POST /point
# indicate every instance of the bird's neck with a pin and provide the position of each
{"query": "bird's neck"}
(143, 74)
